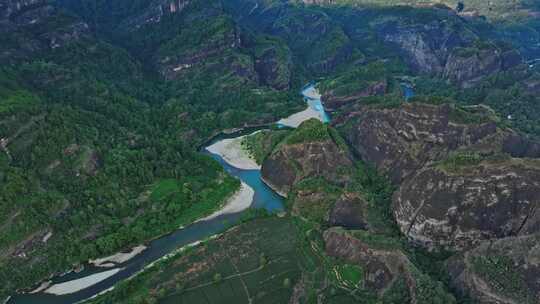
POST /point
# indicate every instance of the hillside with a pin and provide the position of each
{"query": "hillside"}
(105, 106)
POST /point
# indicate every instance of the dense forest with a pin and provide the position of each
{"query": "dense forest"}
(104, 105)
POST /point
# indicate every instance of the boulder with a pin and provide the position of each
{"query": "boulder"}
(457, 206)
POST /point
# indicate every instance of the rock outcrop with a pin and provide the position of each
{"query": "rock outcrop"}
(458, 207)
(382, 267)
(38, 25)
(385, 268)
(400, 141)
(462, 179)
(273, 69)
(310, 151)
(9, 9)
(505, 271)
(467, 67)
(444, 46)
(350, 212)
(519, 146)
(332, 102)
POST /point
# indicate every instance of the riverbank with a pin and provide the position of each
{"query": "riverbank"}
(117, 258)
(240, 201)
(82, 283)
(233, 155)
(296, 119)
(232, 151)
(312, 93)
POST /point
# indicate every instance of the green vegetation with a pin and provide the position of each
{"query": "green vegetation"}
(500, 274)
(312, 198)
(457, 161)
(225, 270)
(355, 80)
(103, 129)
(262, 143)
(312, 130)
(102, 152)
(349, 275)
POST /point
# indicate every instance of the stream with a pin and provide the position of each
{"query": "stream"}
(264, 197)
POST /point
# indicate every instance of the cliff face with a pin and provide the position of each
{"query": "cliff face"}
(333, 101)
(402, 140)
(462, 180)
(349, 211)
(457, 208)
(469, 69)
(37, 26)
(446, 48)
(502, 271)
(382, 267)
(273, 67)
(11, 8)
(291, 163)
(386, 269)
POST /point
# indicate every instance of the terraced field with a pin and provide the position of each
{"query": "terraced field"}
(266, 260)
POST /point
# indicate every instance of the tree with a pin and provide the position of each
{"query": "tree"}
(460, 7)
(287, 283)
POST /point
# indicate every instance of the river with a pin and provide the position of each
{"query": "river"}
(264, 197)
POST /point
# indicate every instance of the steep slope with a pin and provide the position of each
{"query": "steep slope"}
(308, 152)
(98, 151)
(399, 141)
(457, 206)
(502, 271)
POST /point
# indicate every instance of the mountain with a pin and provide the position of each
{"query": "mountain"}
(106, 105)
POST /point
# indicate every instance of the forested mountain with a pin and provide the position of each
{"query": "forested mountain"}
(104, 106)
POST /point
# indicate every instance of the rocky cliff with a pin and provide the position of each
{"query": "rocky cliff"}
(310, 151)
(37, 25)
(503, 271)
(332, 100)
(467, 67)
(388, 271)
(9, 9)
(462, 179)
(382, 267)
(457, 206)
(400, 141)
(446, 47)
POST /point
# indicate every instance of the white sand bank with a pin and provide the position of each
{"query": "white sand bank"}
(312, 93)
(82, 283)
(296, 119)
(240, 201)
(233, 153)
(41, 287)
(118, 258)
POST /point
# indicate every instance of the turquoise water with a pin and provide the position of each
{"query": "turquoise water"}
(316, 104)
(264, 197)
(408, 91)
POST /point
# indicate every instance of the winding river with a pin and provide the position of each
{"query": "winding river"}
(263, 197)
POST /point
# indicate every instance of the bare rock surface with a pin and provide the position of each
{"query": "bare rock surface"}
(458, 208)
